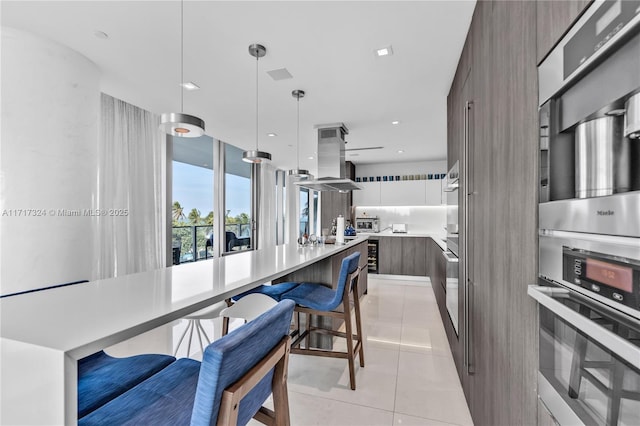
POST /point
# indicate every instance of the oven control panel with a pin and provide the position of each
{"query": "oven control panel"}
(612, 277)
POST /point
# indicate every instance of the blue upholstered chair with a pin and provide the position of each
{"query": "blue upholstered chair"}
(102, 377)
(318, 299)
(237, 374)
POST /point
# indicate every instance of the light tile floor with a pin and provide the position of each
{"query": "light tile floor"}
(409, 376)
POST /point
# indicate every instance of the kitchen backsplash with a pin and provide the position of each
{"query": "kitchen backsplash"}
(401, 169)
(419, 219)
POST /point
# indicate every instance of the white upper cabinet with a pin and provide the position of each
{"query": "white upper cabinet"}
(403, 193)
(400, 193)
(434, 192)
(369, 195)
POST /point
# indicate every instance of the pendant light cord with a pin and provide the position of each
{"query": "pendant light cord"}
(181, 55)
(298, 136)
(257, 58)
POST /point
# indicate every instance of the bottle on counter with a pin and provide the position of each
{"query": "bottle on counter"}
(340, 230)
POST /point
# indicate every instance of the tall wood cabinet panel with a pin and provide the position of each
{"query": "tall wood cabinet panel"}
(501, 257)
(554, 18)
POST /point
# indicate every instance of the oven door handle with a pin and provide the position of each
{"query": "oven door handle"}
(616, 344)
(450, 257)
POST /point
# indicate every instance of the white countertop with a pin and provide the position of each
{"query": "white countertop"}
(44, 332)
(440, 239)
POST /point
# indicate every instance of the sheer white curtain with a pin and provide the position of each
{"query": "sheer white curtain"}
(131, 196)
(267, 210)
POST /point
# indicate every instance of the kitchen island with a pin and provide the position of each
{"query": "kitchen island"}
(44, 333)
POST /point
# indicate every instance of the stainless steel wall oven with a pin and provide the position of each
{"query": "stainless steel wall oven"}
(589, 220)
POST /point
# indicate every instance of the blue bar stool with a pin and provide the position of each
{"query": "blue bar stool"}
(238, 373)
(318, 299)
(102, 377)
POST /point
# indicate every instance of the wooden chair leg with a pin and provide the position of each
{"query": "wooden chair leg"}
(225, 326)
(280, 392)
(349, 332)
(356, 304)
(307, 326)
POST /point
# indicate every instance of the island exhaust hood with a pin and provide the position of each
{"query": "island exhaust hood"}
(332, 170)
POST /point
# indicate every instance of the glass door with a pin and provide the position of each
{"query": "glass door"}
(589, 368)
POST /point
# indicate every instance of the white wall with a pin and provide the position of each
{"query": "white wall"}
(50, 101)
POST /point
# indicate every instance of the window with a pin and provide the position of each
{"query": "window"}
(237, 210)
(192, 209)
(304, 212)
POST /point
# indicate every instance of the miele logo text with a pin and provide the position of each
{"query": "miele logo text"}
(605, 212)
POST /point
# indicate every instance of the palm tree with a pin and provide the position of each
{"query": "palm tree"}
(177, 212)
(209, 219)
(194, 216)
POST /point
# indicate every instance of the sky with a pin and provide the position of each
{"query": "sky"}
(193, 188)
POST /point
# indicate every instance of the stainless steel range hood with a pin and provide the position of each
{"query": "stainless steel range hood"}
(331, 164)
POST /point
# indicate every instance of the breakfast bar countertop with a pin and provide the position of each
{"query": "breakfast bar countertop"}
(44, 333)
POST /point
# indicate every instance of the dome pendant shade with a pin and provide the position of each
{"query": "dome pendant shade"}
(181, 125)
(299, 173)
(256, 157)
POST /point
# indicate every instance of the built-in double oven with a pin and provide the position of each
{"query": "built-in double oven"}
(589, 220)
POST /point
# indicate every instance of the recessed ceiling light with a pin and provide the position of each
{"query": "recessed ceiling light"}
(271, 135)
(395, 122)
(101, 34)
(384, 51)
(190, 85)
(400, 151)
(354, 155)
(205, 165)
(310, 158)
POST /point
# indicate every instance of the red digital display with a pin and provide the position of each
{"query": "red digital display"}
(610, 274)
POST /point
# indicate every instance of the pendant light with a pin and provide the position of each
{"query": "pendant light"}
(256, 156)
(179, 123)
(298, 172)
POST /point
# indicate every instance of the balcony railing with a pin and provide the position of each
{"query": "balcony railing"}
(191, 243)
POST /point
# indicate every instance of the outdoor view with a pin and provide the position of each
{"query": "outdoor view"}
(192, 212)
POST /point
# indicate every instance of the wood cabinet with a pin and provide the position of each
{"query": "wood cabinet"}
(497, 76)
(402, 256)
(554, 19)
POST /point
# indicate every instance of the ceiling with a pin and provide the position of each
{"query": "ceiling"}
(327, 46)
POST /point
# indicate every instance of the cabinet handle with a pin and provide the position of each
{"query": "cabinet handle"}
(468, 288)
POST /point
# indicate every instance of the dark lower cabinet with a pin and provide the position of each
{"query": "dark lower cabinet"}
(402, 255)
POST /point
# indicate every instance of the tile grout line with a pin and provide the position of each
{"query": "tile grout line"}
(395, 393)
